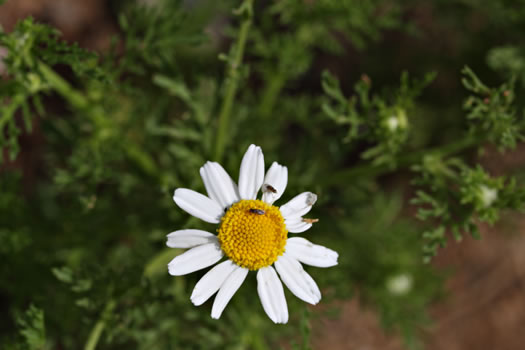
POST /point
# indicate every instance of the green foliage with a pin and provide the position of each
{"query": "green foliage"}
(154, 35)
(85, 213)
(31, 331)
(491, 111)
(457, 198)
(382, 121)
(32, 328)
(310, 26)
(508, 60)
(345, 16)
(385, 263)
(33, 47)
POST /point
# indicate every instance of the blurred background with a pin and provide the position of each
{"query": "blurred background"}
(363, 101)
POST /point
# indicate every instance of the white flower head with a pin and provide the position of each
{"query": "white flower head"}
(488, 195)
(392, 123)
(252, 236)
(399, 284)
(396, 121)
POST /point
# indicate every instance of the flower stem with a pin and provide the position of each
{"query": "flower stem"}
(96, 332)
(270, 94)
(62, 86)
(407, 160)
(232, 77)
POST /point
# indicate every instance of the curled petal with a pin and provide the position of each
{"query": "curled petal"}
(297, 225)
(275, 183)
(299, 205)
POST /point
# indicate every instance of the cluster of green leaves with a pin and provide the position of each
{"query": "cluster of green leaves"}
(31, 48)
(491, 112)
(509, 60)
(458, 196)
(284, 58)
(380, 121)
(32, 331)
(454, 196)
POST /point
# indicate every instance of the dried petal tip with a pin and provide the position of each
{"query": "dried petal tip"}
(311, 198)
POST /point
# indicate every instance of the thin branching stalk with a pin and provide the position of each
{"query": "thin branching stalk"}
(369, 170)
(76, 99)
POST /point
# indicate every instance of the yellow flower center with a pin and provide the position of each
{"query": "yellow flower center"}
(252, 234)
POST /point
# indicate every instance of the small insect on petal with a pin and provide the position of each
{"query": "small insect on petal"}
(257, 211)
(310, 221)
(269, 188)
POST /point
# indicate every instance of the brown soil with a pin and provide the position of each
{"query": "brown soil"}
(484, 310)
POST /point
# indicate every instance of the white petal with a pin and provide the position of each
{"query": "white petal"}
(300, 283)
(198, 205)
(252, 173)
(228, 289)
(299, 205)
(297, 225)
(277, 177)
(219, 184)
(195, 259)
(210, 283)
(309, 253)
(189, 238)
(271, 293)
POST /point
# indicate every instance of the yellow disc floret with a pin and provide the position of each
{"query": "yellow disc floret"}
(252, 234)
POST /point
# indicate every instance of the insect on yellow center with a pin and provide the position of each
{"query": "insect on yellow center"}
(252, 234)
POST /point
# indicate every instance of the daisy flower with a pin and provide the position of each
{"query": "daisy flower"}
(252, 235)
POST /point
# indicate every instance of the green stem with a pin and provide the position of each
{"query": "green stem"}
(65, 89)
(271, 92)
(372, 171)
(96, 332)
(232, 78)
(10, 109)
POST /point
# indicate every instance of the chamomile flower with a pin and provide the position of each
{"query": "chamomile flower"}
(252, 235)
